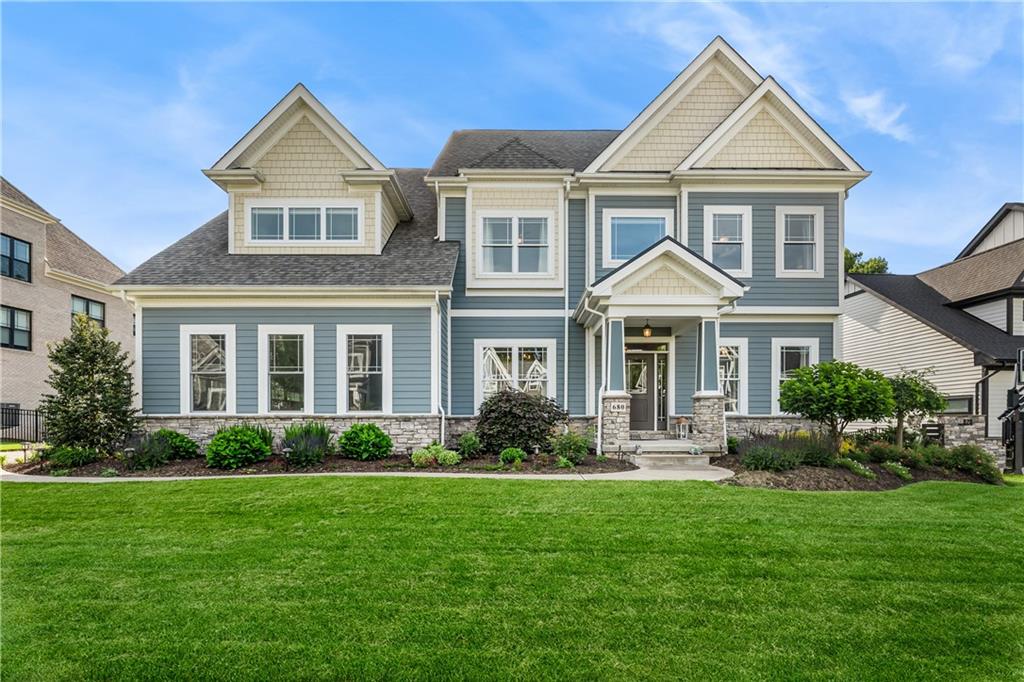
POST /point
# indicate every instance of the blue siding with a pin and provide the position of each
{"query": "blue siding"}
(603, 202)
(686, 369)
(577, 249)
(759, 362)
(410, 350)
(465, 330)
(577, 369)
(455, 230)
(765, 288)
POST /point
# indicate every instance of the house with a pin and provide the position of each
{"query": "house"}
(678, 268)
(48, 274)
(962, 321)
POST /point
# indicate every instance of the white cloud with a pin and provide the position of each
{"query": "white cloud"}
(874, 111)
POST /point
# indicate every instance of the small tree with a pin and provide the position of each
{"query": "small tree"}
(92, 382)
(514, 419)
(835, 394)
(913, 396)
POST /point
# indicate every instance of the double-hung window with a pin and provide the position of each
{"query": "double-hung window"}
(514, 365)
(628, 232)
(15, 328)
(364, 361)
(789, 355)
(94, 310)
(15, 258)
(799, 241)
(286, 368)
(732, 374)
(515, 244)
(207, 368)
(727, 238)
(304, 221)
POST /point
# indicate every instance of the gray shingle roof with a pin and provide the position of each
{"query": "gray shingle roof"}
(573, 149)
(911, 295)
(412, 257)
(68, 252)
(12, 193)
(987, 272)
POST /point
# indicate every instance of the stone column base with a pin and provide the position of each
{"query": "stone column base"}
(614, 421)
(709, 421)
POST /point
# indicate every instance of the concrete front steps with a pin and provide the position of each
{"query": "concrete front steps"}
(665, 454)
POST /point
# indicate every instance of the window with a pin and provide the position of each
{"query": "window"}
(521, 365)
(799, 241)
(364, 359)
(286, 363)
(629, 232)
(732, 374)
(303, 221)
(15, 328)
(515, 245)
(959, 405)
(94, 310)
(727, 238)
(789, 355)
(16, 258)
(207, 353)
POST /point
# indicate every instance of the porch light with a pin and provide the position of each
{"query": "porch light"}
(647, 331)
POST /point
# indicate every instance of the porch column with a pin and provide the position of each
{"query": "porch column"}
(709, 402)
(615, 404)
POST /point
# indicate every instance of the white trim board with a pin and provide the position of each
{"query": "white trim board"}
(185, 334)
(343, 331)
(818, 213)
(263, 359)
(549, 344)
(609, 214)
(743, 343)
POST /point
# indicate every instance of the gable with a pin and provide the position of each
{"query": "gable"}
(763, 143)
(665, 280)
(302, 148)
(683, 126)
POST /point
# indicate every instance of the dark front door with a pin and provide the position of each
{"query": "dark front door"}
(642, 387)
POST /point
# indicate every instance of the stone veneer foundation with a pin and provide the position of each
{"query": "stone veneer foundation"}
(708, 425)
(614, 422)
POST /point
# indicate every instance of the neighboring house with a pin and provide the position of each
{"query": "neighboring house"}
(964, 321)
(678, 268)
(48, 273)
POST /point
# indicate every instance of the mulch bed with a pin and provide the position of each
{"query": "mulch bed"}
(541, 464)
(819, 478)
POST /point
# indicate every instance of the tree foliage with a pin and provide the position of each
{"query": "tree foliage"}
(835, 394)
(91, 377)
(855, 262)
(513, 419)
(913, 396)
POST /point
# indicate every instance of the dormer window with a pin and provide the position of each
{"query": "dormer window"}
(304, 221)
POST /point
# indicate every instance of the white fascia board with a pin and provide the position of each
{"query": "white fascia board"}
(299, 92)
(716, 46)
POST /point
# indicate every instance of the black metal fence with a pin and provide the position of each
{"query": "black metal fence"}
(22, 425)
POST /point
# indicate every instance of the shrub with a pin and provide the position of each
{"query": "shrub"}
(912, 458)
(180, 445)
(365, 442)
(71, 456)
(160, 447)
(806, 447)
(512, 456)
(237, 446)
(974, 460)
(513, 419)
(564, 463)
(913, 396)
(435, 454)
(571, 445)
(898, 470)
(469, 445)
(885, 434)
(856, 467)
(883, 452)
(769, 458)
(732, 445)
(307, 444)
(109, 472)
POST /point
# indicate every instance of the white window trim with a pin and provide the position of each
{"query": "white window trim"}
(312, 202)
(777, 344)
(710, 210)
(551, 345)
(185, 333)
(742, 406)
(608, 214)
(515, 215)
(385, 332)
(819, 242)
(263, 331)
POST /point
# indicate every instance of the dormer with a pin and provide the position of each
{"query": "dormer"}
(300, 182)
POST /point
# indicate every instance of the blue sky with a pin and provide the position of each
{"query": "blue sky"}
(110, 111)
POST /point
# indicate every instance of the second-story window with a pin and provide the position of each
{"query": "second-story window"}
(94, 310)
(15, 328)
(628, 232)
(304, 222)
(799, 242)
(515, 244)
(727, 238)
(16, 258)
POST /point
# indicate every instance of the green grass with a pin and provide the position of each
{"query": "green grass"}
(472, 578)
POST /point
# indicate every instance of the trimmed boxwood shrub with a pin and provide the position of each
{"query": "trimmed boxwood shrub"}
(513, 419)
(571, 446)
(512, 456)
(238, 446)
(70, 456)
(365, 442)
(306, 444)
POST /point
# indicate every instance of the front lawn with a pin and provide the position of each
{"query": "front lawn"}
(438, 578)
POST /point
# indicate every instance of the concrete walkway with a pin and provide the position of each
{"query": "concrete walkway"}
(709, 473)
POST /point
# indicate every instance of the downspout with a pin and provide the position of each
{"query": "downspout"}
(440, 405)
(604, 372)
(565, 311)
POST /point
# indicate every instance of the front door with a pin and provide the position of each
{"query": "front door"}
(642, 386)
